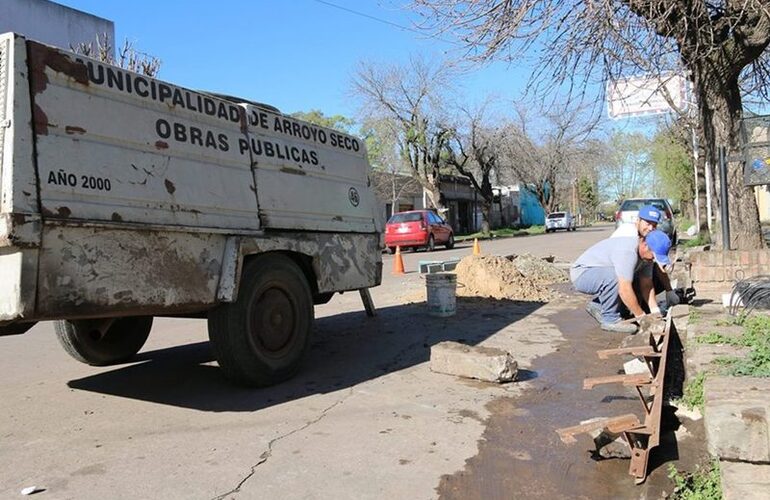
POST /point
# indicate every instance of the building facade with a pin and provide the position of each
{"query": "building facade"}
(53, 24)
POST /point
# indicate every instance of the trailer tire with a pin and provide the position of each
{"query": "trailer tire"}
(262, 337)
(102, 342)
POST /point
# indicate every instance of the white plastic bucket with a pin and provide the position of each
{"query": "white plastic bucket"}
(441, 294)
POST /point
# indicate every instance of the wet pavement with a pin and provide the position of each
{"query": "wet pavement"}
(520, 454)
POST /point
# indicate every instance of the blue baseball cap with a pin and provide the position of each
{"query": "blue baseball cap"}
(650, 214)
(660, 244)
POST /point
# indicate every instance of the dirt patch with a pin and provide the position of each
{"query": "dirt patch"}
(523, 277)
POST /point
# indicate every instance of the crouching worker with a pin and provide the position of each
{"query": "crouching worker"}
(607, 271)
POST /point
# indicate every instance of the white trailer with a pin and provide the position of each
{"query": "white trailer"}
(123, 197)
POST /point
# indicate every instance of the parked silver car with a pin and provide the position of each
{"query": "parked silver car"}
(559, 220)
(629, 212)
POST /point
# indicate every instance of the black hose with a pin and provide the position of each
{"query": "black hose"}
(752, 293)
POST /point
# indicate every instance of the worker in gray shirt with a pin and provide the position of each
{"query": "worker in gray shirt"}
(607, 271)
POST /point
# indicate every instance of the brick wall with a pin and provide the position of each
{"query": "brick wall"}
(728, 266)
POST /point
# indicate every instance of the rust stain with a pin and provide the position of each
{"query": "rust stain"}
(244, 121)
(169, 186)
(41, 57)
(71, 129)
(64, 211)
(40, 120)
(116, 217)
(161, 145)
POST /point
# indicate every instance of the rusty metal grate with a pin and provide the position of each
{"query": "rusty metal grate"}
(642, 435)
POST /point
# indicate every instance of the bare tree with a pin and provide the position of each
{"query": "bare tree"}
(475, 152)
(409, 96)
(543, 164)
(717, 44)
(128, 57)
(390, 178)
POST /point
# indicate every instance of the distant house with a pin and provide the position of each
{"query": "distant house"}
(513, 206)
(516, 205)
(457, 195)
(53, 24)
(404, 188)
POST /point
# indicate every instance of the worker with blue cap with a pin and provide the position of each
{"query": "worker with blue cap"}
(648, 220)
(608, 270)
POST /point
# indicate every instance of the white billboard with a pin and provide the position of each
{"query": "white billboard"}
(646, 95)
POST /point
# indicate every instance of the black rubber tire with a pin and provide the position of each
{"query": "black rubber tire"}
(83, 339)
(274, 293)
(391, 250)
(450, 244)
(431, 246)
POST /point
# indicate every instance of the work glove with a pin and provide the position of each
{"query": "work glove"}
(651, 323)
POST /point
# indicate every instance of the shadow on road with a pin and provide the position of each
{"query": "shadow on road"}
(347, 349)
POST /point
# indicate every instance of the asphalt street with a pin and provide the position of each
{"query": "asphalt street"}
(365, 418)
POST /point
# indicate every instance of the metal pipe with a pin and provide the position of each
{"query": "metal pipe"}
(695, 172)
(724, 203)
(709, 215)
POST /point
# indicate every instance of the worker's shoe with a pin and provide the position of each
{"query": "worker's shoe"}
(594, 309)
(619, 327)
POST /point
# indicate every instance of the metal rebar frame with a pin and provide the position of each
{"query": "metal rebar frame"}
(641, 435)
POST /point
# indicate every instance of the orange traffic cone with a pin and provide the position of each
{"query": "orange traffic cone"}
(476, 247)
(398, 262)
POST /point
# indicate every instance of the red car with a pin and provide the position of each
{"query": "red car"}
(418, 229)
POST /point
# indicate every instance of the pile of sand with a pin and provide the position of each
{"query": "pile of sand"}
(522, 277)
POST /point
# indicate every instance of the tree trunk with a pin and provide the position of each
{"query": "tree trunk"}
(720, 110)
(703, 229)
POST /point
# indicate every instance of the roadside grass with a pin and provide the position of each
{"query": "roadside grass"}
(702, 484)
(692, 396)
(756, 337)
(695, 242)
(694, 316)
(506, 232)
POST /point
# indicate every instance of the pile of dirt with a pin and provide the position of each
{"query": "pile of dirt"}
(522, 277)
(541, 270)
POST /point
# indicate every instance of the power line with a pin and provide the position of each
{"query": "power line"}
(379, 20)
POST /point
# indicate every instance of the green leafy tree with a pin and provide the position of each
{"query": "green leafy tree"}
(672, 162)
(588, 195)
(317, 117)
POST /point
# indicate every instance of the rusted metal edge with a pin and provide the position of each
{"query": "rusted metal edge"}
(627, 380)
(20, 230)
(615, 425)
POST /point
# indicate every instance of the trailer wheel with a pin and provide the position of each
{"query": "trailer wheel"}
(261, 338)
(102, 342)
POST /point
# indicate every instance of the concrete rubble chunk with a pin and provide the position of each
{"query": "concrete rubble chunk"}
(635, 366)
(744, 481)
(737, 411)
(483, 363)
(608, 444)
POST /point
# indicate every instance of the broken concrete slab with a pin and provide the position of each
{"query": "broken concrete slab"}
(483, 363)
(742, 481)
(736, 417)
